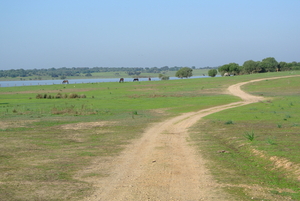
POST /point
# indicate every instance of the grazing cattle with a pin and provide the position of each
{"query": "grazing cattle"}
(121, 80)
(149, 78)
(65, 82)
(135, 79)
(226, 74)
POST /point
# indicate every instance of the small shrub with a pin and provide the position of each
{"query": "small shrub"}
(39, 96)
(165, 77)
(249, 135)
(134, 113)
(279, 125)
(82, 96)
(229, 122)
(271, 141)
(58, 95)
(73, 96)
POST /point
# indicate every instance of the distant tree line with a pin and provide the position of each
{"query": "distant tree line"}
(268, 64)
(62, 73)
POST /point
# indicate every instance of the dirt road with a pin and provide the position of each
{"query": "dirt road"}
(163, 166)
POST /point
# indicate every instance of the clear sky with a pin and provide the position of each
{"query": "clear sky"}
(146, 33)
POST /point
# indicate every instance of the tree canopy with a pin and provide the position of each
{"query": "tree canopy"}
(212, 72)
(269, 64)
(231, 68)
(184, 72)
(251, 66)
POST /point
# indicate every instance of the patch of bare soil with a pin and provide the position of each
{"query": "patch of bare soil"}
(163, 165)
(85, 125)
(280, 163)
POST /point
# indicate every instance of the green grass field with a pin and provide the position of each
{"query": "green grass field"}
(46, 142)
(261, 142)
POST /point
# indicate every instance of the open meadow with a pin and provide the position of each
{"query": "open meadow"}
(51, 135)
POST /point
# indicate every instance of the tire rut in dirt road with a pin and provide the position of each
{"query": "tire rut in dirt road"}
(162, 165)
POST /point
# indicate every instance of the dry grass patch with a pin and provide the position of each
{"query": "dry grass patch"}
(16, 124)
(86, 125)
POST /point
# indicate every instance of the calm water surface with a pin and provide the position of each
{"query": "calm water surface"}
(76, 81)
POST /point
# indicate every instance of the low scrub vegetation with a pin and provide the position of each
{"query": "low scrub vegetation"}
(59, 95)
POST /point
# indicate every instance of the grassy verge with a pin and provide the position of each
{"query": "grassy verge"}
(254, 150)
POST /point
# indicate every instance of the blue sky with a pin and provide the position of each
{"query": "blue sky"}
(146, 33)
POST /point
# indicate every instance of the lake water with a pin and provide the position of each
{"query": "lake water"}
(77, 81)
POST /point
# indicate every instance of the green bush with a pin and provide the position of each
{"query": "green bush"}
(212, 72)
(73, 96)
(39, 96)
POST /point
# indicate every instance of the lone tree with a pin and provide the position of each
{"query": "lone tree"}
(184, 72)
(212, 72)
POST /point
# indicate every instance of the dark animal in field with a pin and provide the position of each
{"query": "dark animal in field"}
(121, 80)
(65, 82)
(149, 78)
(135, 79)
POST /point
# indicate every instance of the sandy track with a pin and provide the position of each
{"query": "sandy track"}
(163, 166)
